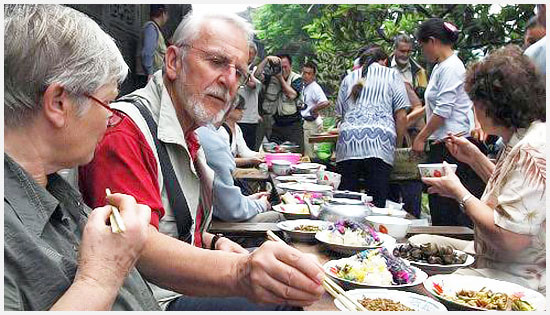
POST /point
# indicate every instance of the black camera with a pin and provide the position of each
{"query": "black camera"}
(272, 67)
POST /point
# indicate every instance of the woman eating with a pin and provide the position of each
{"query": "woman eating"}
(510, 236)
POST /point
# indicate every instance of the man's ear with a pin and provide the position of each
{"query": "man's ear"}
(172, 62)
(55, 105)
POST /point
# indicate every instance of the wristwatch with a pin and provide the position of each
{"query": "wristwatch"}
(214, 240)
(462, 202)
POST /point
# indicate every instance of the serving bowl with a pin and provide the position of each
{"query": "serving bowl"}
(293, 158)
(396, 227)
(281, 167)
(434, 169)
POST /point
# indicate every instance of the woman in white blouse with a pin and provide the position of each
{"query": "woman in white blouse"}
(448, 111)
(230, 130)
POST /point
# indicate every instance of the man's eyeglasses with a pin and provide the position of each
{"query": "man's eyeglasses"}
(115, 117)
(222, 63)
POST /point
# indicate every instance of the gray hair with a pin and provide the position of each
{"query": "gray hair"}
(189, 28)
(402, 38)
(46, 44)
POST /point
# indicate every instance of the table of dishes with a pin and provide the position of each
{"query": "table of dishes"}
(365, 250)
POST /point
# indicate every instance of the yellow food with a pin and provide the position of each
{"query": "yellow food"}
(383, 305)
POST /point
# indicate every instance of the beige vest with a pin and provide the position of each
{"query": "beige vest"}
(158, 55)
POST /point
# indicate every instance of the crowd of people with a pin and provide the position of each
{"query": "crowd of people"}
(167, 151)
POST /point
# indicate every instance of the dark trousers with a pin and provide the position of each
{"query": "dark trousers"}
(446, 211)
(190, 303)
(249, 135)
(410, 193)
(292, 132)
(375, 173)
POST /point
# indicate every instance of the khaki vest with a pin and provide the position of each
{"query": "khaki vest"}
(158, 55)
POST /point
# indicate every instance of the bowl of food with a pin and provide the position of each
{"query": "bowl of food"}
(329, 178)
(302, 230)
(392, 300)
(281, 167)
(394, 226)
(293, 158)
(433, 259)
(434, 169)
(307, 168)
(294, 211)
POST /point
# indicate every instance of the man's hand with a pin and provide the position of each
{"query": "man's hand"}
(277, 273)
(448, 185)
(262, 196)
(105, 258)
(227, 245)
(418, 145)
(462, 149)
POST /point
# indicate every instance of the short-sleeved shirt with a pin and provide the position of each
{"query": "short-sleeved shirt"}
(368, 127)
(517, 193)
(43, 228)
(537, 53)
(250, 114)
(445, 97)
(312, 95)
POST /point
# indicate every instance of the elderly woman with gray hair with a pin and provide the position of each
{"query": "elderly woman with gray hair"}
(61, 71)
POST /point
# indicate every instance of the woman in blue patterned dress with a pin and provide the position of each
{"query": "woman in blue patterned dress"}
(372, 102)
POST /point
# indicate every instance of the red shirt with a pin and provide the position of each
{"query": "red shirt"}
(124, 163)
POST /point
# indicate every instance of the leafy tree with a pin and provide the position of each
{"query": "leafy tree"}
(331, 34)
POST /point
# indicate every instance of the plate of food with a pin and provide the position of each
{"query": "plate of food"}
(303, 230)
(305, 187)
(294, 211)
(349, 237)
(375, 268)
(477, 293)
(299, 179)
(433, 259)
(307, 168)
(392, 300)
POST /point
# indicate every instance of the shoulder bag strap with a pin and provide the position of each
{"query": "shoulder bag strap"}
(176, 198)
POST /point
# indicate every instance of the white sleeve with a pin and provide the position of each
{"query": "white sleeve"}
(242, 149)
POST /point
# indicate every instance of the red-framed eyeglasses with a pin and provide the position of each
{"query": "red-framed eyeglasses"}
(115, 117)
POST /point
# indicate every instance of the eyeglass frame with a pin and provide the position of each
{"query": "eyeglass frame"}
(215, 58)
(114, 113)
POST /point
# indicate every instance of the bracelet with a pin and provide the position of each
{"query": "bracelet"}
(214, 240)
(462, 202)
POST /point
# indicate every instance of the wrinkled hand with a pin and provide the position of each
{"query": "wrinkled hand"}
(418, 145)
(105, 257)
(462, 149)
(448, 185)
(227, 245)
(277, 273)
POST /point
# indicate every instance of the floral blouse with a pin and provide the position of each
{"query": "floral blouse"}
(517, 193)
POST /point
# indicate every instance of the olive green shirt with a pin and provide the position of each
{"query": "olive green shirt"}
(42, 232)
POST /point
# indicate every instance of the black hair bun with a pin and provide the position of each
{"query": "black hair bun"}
(452, 30)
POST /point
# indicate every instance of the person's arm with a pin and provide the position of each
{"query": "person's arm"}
(434, 123)
(287, 89)
(400, 126)
(106, 258)
(341, 101)
(400, 105)
(242, 149)
(223, 243)
(261, 276)
(150, 39)
(466, 152)
(259, 72)
(481, 214)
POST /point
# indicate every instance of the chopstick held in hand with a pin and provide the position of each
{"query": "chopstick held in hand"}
(460, 134)
(117, 225)
(330, 286)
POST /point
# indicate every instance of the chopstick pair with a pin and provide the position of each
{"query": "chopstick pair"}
(460, 134)
(117, 225)
(330, 286)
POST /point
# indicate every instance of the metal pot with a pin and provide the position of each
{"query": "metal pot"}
(333, 212)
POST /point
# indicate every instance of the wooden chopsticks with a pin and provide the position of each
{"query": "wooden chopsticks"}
(117, 225)
(330, 286)
(460, 134)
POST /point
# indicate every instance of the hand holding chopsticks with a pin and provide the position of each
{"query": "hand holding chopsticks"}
(117, 225)
(330, 286)
(460, 134)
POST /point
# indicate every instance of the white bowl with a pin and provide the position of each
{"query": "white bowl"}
(434, 169)
(396, 227)
(281, 167)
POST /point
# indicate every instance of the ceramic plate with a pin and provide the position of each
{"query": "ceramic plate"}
(433, 269)
(387, 241)
(293, 211)
(296, 179)
(412, 300)
(347, 201)
(420, 276)
(453, 283)
(305, 187)
(289, 228)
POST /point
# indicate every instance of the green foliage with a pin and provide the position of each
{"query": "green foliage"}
(331, 34)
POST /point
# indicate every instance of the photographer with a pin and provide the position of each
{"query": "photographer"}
(278, 105)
